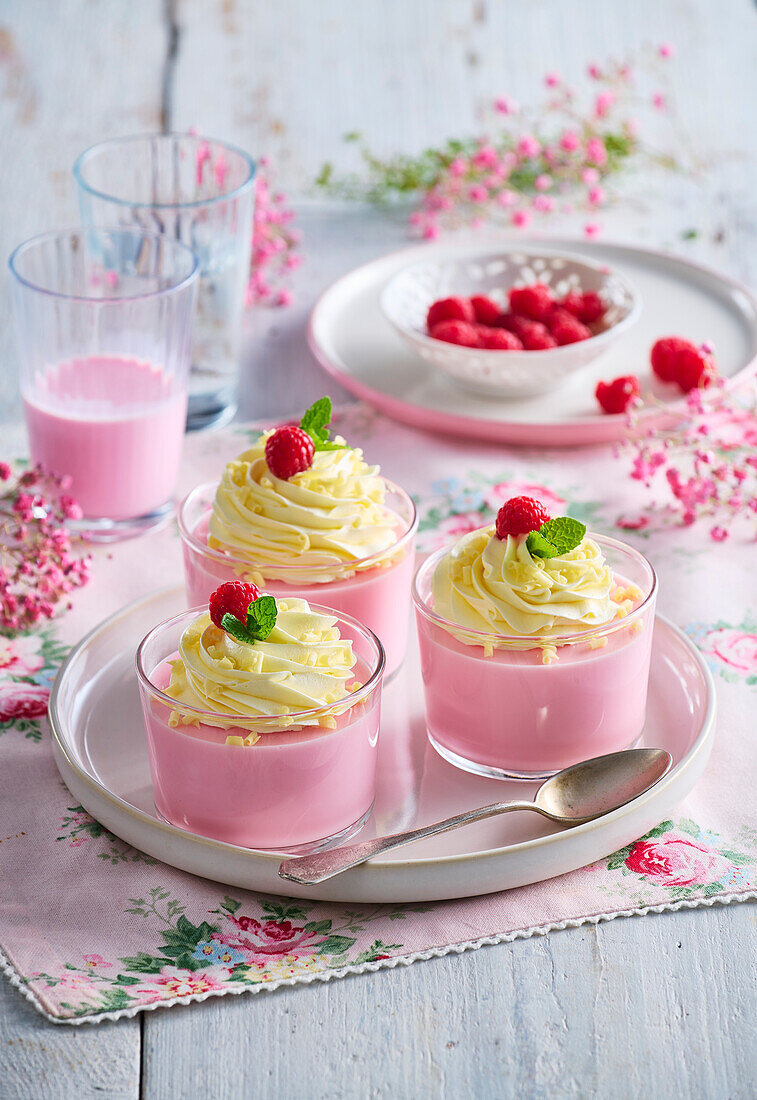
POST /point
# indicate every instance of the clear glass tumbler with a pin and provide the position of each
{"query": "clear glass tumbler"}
(200, 192)
(104, 327)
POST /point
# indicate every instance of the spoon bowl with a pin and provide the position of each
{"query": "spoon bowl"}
(571, 797)
(595, 787)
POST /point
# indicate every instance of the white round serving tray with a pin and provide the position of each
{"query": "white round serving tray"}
(355, 343)
(100, 748)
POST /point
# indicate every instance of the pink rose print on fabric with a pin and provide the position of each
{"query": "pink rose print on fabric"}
(498, 494)
(454, 527)
(735, 648)
(172, 981)
(22, 700)
(95, 960)
(261, 941)
(675, 861)
(21, 656)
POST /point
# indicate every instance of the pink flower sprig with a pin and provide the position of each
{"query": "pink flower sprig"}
(274, 241)
(703, 469)
(551, 160)
(39, 559)
(274, 236)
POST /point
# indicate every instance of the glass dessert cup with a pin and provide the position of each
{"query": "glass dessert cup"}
(373, 593)
(296, 789)
(511, 716)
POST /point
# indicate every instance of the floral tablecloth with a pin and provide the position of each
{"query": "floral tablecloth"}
(136, 934)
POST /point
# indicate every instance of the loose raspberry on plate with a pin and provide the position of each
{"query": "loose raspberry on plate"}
(449, 309)
(664, 356)
(534, 301)
(485, 309)
(616, 396)
(519, 515)
(232, 598)
(289, 451)
(567, 330)
(694, 369)
(457, 332)
(498, 339)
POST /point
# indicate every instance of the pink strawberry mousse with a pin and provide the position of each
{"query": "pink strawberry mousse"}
(531, 664)
(333, 531)
(269, 742)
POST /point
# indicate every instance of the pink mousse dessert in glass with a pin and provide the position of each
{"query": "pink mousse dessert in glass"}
(262, 720)
(306, 516)
(535, 643)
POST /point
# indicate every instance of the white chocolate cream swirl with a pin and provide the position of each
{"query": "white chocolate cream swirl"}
(304, 664)
(495, 586)
(309, 528)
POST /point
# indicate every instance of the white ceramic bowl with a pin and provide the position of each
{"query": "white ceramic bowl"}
(406, 297)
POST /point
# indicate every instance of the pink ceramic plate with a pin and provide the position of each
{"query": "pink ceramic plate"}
(100, 748)
(354, 342)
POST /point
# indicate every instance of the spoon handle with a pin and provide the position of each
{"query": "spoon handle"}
(320, 866)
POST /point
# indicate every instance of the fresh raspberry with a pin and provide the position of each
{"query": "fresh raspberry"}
(289, 451)
(457, 332)
(573, 302)
(567, 330)
(592, 308)
(534, 301)
(532, 334)
(450, 309)
(485, 309)
(616, 396)
(694, 369)
(498, 339)
(664, 356)
(232, 598)
(519, 515)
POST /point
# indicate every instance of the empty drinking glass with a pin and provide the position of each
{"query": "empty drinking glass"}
(201, 192)
(104, 327)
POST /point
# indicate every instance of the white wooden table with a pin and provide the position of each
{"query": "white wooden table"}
(663, 1006)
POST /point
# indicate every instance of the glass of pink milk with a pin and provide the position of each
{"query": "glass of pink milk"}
(104, 325)
(297, 788)
(375, 590)
(510, 715)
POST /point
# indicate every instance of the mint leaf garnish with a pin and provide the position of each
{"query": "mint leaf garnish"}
(261, 619)
(315, 421)
(556, 537)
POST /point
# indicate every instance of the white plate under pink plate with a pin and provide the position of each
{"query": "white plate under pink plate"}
(354, 342)
(99, 744)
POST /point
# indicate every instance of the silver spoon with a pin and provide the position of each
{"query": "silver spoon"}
(571, 797)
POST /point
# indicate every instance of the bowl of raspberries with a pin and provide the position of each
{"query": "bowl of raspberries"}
(510, 324)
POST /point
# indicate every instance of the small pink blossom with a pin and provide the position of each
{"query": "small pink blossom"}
(552, 80)
(666, 50)
(603, 103)
(544, 204)
(718, 534)
(596, 151)
(96, 960)
(543, 182)
(597, 196)
(659, 101)
(594, 71)
(507, 198)
(521, 218)
(504, 105)
(458, 167)
(592, 229)
(590, 176)
(477, 193)
(528, 146)
(570, 141)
